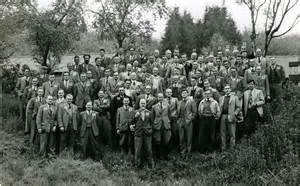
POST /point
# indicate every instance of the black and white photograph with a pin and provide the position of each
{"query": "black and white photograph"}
(149, 92)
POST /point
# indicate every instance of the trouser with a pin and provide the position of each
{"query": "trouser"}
(21, 108)
(105, 127)
(185, 137)
(33, 131)
(207, 133)
(161, 139)
(126, 142)
(114, 135)
(143, 144)
(67, 139)
(175, 134)
(252, 117)
(224, 127)
(47, 143)
(276, 96)
(195, 142)
(90, 145)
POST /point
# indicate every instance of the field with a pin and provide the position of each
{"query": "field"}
(282, 60)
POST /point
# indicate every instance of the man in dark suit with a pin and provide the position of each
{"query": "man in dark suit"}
(102, 106)
(82, 92)
(89, 132)
(51, 87)
(142, 127)
(116, 103)
(86, 66)
(151, 100)
(161, 114)
(46, 122)
(105, 61)
(31, 91)
(124, 117)
(67, 84)
(67, 122)
(186, 113)
(31, 113)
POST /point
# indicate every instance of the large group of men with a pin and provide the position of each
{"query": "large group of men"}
(148, 105)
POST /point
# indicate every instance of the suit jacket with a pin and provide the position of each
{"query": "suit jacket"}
(86, 119)
(124, 118)
(159, 88)
(100, 71)
(233, 107)
(102, 107)
(74, 75)
(186, 112)
(143, 127)
(87, 67)
(161, 116)
(82, 93)
(197, 93)
(68, 115)
(51, 89)
(30, 92)
(214, 107)
(236, 84)
(173, 105)
(22, 83)
(263, 84)
(217, 82)
(276, 75)
(46, 119)
(261, 61)
(117, 102)
(32, 109)
(69, 88)
(149, 102)
(258, 100)
(114, 85)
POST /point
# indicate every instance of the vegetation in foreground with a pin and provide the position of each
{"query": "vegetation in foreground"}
(271, 156)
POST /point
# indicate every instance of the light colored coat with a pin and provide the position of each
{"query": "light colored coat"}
(45, 120)
(233, 107)
(258, 100)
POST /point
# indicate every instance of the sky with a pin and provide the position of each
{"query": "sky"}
(239, 13)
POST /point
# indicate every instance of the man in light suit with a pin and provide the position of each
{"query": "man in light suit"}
(125, 115)
(253, 110)
(157, 82)
(67, 122)
(143, 128)
(186, 113)
(229, 109)
(46, 122)
(161, 114)
(31, 91)
(89, 132)
(51, 87)
(173, 104)
(31, 113)
(82, 91)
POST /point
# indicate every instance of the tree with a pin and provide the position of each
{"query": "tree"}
(276, 12)
(55, 30)
(11, 23)
(124, 19)
(254, 7)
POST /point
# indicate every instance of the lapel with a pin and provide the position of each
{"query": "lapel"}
(231, 99)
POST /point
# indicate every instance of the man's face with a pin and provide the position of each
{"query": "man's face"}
(226, 64)
(151, 59)
(129, 67)
(83, 77)
(127, 84)
(193, 82)
(66, 76)
(89, 75)
(148, 90)
(168, 55)
(184, 94)
(27, 72)
(176, 52)
(273, 62)
(107, 73)
(164, 59)
(258, 69)
(86, 59)
(258, 53)
(49, 100)
(251, 85)
(40, 92)
(193, 56)
(168, 93)
(69, 100)
(156, 53)
(51, 78)
(227, 89)
(160, 97)
(207, 94)
(34, 82)
(116, 76)
(89, 106)
(76, 60)
(101, 94)
(218, 62)
(69, 66)
(133, 76)
(184, 58)
(215, 71)
(143, 103)
(98, 62)
(117, 60)
(206, 84)
(155, 71)
(135, 63)
(126, 101)
(121, 91)
(60, 93)
(233, 72)
(102, 53)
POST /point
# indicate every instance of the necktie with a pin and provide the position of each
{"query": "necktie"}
(133, 83)
(69, 106)
(161, 106)
(169, 101)
(143, 115)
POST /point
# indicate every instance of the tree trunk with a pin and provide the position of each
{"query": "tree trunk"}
(267, 44)
(45, 56)
(253, 34)
(120, 43)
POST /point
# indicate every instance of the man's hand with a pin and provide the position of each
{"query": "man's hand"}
(54, 129)
(62, 129)
(268, 97)
(137, 114)
(40, 131)
(131, 127)
(118, 131)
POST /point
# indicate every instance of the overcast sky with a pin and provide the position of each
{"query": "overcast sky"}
(239, 13)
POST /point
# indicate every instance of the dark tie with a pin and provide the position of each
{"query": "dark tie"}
(70, 106)
(169, 101)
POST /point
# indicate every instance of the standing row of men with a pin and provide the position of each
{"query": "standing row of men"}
(140, 104)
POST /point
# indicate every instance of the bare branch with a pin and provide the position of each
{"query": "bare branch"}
(288, 30)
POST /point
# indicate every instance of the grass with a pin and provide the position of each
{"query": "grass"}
(269, 157)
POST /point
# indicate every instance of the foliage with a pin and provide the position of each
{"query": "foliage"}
(216, 24)
(54, 31)
(125, 19)
(217, 41)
